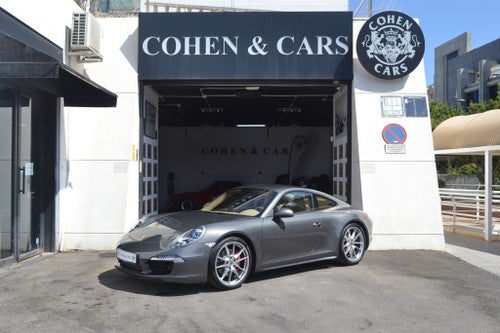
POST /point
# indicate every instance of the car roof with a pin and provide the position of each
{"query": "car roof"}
(274, 187)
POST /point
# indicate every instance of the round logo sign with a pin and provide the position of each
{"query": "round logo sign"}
(390, 45)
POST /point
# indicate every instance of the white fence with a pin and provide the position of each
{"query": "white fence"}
(465, 208)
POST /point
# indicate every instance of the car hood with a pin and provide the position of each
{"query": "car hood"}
(169, 226)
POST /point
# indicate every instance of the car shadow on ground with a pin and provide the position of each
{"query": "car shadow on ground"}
(116, 280)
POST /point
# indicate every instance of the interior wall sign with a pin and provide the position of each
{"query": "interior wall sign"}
(390, 45)
(258, 45)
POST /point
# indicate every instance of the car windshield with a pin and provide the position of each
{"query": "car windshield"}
(241, 201)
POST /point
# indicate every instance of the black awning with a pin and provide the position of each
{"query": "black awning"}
(27, 56)
(79, 90)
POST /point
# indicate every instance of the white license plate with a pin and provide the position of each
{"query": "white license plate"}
(126, 256)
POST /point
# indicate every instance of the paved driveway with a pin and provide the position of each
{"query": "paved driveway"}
(389, 291)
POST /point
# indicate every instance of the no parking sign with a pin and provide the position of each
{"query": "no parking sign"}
(395, 136)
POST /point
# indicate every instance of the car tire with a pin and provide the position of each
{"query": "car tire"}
(352, 245)
(187, 205)
(230, 263)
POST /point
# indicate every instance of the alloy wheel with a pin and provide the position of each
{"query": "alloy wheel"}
(232, 263)
(353, 244)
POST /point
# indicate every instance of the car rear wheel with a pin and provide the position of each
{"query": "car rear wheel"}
(352, 244)
(230, 263)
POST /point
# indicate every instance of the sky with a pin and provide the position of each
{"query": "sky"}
(442, 20)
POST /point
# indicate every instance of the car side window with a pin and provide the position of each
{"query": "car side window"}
(324, 203)
(298, 202)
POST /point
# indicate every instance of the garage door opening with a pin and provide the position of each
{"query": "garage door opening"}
(213, 137)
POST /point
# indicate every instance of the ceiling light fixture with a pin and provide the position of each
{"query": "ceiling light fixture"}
(252, 88)
(289, 110)
(211, 110)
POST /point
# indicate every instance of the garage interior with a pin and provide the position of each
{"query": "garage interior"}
(249, 134)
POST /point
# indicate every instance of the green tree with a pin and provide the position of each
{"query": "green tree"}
(492, 104)
(442, 111)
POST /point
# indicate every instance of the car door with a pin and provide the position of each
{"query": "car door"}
(296, 238)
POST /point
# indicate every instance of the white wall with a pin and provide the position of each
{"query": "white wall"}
(99, 202)
(398, 191)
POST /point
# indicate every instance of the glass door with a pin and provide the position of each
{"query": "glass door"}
(6, 128)
(28, 229)
(27, 177)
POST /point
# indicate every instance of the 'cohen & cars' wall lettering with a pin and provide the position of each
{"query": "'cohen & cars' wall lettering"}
(245, 46)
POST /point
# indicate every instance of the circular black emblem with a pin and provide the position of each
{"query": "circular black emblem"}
(390, 45)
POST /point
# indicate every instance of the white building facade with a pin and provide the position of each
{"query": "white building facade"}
(370, 136)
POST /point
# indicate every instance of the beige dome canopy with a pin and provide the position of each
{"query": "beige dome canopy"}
(473, 135)
(476, 130)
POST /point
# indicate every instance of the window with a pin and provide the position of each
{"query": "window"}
(324, 203)
(415, 106)
(243, 201)
(452, 55)
(300, 202)
(296, 201)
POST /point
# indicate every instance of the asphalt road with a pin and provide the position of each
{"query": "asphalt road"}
(389, 291)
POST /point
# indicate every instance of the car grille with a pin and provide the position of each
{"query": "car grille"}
(160, 267)
(131, 267)
(149, 267)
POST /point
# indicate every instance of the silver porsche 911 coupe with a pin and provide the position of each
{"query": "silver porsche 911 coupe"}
(246, 229)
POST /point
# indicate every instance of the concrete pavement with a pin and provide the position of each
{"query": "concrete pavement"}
(475, 251)
(389, 291)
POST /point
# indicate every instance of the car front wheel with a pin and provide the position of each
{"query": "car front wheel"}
(187, 204)
(352, 244)
(230, 263)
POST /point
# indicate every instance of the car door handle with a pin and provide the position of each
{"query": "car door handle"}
(317, 224)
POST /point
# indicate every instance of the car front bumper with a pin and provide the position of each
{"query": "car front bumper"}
(191, 270)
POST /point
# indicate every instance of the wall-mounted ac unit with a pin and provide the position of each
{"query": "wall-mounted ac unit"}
(85, 37)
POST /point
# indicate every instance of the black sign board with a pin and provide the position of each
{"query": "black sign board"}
(248, 46)
(390, 45)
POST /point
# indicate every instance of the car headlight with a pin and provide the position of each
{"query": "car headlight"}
(189, 236)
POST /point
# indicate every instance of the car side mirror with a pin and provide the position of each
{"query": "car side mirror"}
(284, 212)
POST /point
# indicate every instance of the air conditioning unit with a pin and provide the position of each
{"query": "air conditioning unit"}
(85, 37)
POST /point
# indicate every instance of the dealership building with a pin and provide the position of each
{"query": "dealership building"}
(103, 119)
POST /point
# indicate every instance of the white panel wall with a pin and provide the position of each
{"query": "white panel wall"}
(98, 166)
(200, 155)
(99, 202)
(398, 191)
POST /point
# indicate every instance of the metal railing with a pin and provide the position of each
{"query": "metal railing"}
(465, 208)
(167, 6)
